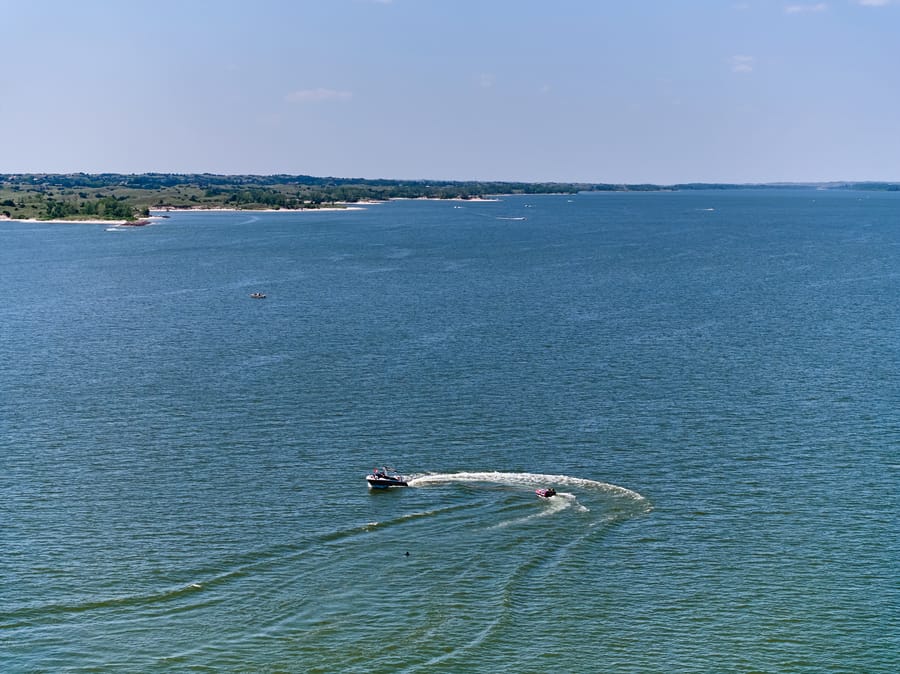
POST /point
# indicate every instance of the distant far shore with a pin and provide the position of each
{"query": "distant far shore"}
(492, 198)
(79, 221)
(153, 218)
(353, 206)
(204, 209)
(340, 206)
(124, 199)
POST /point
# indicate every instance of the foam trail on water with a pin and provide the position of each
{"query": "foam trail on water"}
(562, 501)
(525, 480)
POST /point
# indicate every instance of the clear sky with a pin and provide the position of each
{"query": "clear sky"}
(659, 91)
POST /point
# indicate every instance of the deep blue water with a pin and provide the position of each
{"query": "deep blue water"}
(711, 380)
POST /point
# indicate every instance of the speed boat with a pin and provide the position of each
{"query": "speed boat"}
(258, 296)
(382, 478)
(545, 493)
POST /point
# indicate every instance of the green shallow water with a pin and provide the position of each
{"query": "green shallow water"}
(708, 379)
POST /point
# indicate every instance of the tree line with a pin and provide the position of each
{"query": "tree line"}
(107, 208)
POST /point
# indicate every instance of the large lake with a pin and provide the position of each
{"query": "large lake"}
(710, 380)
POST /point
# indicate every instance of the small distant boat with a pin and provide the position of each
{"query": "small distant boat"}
(382, 478)
(545, 493)
(258, 296)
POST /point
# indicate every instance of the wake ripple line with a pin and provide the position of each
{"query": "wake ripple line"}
(22, 617)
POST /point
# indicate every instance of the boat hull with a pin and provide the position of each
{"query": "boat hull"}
(385, 482)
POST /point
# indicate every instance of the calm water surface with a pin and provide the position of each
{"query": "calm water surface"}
(710, 380)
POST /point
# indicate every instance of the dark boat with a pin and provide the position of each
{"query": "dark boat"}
(382, 478)
(545, 493)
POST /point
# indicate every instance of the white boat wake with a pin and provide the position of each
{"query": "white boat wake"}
(631, 500)
(526, 480)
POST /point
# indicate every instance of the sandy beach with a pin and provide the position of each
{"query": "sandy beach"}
(158, 213)
(126, 223)
(155, 218)
(255, 210)
(442, 199)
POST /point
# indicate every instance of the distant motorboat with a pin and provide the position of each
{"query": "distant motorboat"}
(258, 296)
(545, 493)
(382, 478)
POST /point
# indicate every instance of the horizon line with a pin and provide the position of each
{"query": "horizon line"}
(457, 180)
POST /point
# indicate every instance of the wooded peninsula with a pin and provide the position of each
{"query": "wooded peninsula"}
(113, 196)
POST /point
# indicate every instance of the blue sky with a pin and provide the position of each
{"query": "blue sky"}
(616, 91)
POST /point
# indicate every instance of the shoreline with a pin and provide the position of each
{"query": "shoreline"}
(252, 210)
(157, 214)
(118, 223)
(153, 218)
(475, 199)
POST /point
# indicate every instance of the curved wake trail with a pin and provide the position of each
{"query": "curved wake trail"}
(528, 480)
